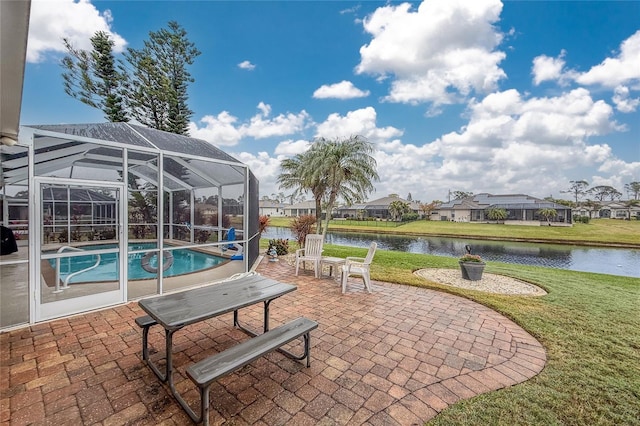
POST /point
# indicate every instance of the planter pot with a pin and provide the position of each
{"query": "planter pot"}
(472, 271)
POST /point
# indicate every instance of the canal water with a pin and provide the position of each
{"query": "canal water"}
(614, 261)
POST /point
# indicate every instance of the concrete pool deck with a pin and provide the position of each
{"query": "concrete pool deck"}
(397, 356)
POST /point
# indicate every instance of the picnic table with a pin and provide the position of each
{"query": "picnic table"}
(177, 310)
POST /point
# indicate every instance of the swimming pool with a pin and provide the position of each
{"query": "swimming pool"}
(185, 261)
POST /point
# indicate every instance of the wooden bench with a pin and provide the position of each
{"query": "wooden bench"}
(205, 372)
(145, 323)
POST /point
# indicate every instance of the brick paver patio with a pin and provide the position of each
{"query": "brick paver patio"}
(395, 357)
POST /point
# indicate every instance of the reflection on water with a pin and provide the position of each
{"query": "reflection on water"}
(575, 258)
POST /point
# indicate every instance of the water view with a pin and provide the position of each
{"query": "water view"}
(614, 261)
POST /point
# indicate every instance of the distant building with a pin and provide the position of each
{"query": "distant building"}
(378, 209)
(271, 208)
(520, 208)
(299, 209)
(609, 210)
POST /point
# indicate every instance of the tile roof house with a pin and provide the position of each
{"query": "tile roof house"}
(521, 209)
(377, 208)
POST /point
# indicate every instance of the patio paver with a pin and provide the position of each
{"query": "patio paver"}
(397, 356)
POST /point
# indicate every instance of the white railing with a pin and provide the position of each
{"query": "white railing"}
(68, 277)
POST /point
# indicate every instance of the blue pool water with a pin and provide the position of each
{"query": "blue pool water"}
(185, 262)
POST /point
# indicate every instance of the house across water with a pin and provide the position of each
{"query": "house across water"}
(520, 209)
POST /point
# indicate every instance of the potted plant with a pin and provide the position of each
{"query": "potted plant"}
(471, 266)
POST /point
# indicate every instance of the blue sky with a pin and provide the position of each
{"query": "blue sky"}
(480, 96)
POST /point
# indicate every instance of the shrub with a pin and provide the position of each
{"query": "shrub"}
(281, 245)
(471, 258)
(263, 223)
(409, 217)
(585, 219)
(201, 236)
(303, 226)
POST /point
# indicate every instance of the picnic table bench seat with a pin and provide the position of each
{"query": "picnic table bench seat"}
(205, 372)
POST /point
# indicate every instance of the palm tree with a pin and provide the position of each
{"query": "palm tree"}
(497, 214)
(297, 174)
(593, 207)
(547, 214)
(633, 188)
(346, 166)
(398, 208)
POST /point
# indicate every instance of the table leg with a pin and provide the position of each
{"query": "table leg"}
(265, 327)
(168, 370)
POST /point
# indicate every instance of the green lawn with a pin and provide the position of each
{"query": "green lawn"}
(588, 323)
(598, 231)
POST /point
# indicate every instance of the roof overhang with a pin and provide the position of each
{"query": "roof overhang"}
(14, 31)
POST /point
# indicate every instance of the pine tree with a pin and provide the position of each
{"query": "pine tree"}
(92, 77)
(157, 87)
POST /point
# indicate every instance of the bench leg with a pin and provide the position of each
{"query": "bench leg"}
(145, 343)
(307, 350)
(204, 406)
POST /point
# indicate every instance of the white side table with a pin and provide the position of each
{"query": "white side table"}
(334, 263)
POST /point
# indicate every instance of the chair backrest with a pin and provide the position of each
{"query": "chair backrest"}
(313, 245)
(370, 253)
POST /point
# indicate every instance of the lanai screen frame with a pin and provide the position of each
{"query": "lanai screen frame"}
(51, 148)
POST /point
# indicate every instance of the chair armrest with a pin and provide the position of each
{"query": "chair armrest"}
(299, 251)
(351, 259)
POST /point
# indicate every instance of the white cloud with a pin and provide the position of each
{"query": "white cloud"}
(524, 145)
(546, 68)
(359, 122)
(343, 90)
(624, 69)
(290, 148)
(246, 65)
(78, 21)
(264, 167)
(431, 59)
(512, 143)
(261, 126)
(219, 130)
(224, 129)
(622, 101)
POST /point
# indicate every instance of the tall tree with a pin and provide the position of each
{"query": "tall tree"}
(461, 194)
(158, 80)
(633, 188)
(348, 167)
(296, 174)
(92, 77)
(578, 188)
(603, 192)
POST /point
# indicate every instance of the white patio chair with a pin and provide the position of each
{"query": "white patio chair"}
(359, 266)
(312, 252)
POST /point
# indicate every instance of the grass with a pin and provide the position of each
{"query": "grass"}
(588, 323)
(597, 232)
